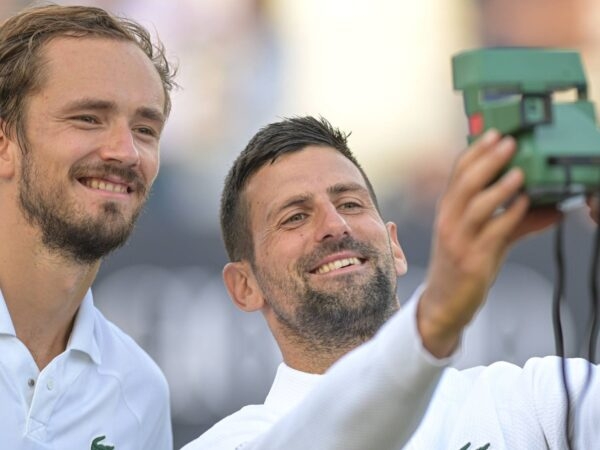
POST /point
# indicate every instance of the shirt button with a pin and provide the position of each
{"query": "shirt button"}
(31, 382)
(50, 384)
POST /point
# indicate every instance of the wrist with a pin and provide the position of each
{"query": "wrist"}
(440, 334)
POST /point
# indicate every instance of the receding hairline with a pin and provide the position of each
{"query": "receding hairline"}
(289, 135)
(43, 60)
(297, 198)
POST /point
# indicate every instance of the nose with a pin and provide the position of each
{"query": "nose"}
(332, 224)
(121, 146)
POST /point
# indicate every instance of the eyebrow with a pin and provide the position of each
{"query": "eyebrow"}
(296, 200)
(151, 114)
(341, 188)
(301, 199)
(106, 105)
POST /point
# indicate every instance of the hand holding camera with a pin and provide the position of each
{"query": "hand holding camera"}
(514, 90)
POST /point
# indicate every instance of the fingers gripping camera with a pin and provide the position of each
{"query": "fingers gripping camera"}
(514, 90)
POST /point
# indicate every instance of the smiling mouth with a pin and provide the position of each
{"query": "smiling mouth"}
(340, 263)
(103, 185)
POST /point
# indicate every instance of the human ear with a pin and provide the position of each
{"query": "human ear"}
(8, 155)
(399, 258)
(242, 286)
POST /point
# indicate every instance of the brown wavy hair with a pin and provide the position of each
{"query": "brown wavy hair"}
(23, 36)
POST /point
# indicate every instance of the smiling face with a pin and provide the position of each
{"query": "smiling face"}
(325, 263)
(91, 152)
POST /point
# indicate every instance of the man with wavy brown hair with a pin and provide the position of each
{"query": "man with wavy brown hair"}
(84, 96)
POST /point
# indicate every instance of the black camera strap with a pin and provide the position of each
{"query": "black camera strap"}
(592, 328)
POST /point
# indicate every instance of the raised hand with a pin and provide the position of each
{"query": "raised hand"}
(478, 217)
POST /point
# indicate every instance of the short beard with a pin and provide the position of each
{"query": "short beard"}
(324, 319)
(83, 239)
(332, 321)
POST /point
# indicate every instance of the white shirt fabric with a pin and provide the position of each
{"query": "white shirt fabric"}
(103, 384)
(501, 406)
(373, 398)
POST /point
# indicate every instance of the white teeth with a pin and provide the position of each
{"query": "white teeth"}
(105, 186)
(337, 265)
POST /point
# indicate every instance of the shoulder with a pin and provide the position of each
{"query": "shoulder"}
(501, 373)
(539, 371)
(539, 380)
(140, 378)
(236, 430)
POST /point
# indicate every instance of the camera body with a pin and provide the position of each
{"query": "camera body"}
(514, 90)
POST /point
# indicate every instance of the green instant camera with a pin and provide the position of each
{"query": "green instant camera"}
(514, 90)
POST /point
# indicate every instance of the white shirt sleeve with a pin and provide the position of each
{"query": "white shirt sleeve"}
(374, 397)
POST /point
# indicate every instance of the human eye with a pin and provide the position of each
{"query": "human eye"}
(294, 219)
(86, 119)
(147, 131)
(349, 205)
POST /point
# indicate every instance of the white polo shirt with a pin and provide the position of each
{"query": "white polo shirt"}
(102, 392)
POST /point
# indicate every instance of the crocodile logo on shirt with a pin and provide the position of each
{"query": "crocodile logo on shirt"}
(468, 447)
(96, 445)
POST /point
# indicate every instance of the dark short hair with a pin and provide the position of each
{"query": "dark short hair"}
(23, 36)
(276, 139)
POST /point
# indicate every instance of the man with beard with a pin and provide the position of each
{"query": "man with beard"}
(84, 96)
(309, 249)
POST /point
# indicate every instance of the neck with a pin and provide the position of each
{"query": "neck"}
(312, 359)
(317, 352)
(312, 355)
(42, 290)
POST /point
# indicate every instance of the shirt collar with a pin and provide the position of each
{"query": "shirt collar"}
(83, 338)
(289, 388)
(6, 325)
